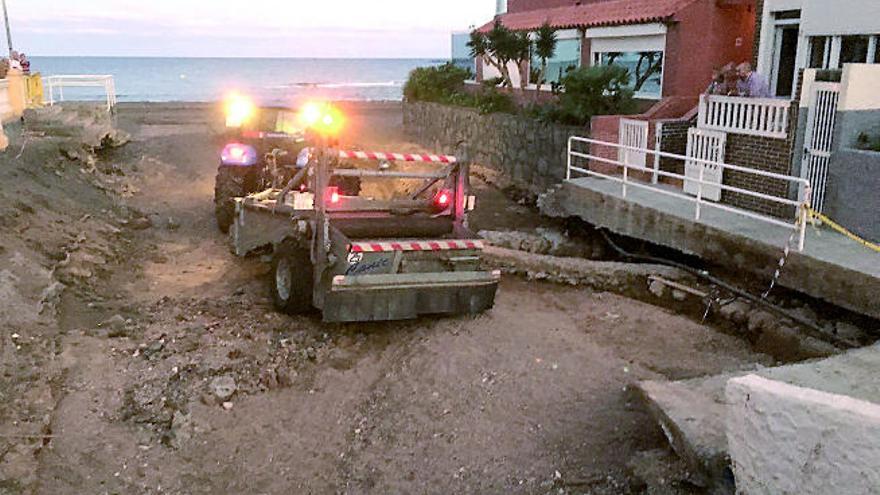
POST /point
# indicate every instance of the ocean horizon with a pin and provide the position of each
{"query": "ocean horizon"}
(270, 81)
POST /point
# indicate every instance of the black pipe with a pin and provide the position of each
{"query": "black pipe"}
(811, 328)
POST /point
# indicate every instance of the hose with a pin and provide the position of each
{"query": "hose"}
(811, 328)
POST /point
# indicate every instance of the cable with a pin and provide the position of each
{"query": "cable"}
(811, 328)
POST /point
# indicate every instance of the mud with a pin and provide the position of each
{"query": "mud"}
(140, 356)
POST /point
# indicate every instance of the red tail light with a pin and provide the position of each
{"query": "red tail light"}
(443, 199)
(332, 195)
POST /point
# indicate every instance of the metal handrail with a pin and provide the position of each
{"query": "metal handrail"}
(804, 187)
(51, 83)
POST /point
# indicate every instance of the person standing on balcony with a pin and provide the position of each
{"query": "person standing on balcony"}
(25, 64)
(751, 84)
(724, 81)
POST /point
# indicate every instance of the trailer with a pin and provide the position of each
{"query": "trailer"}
(357, 258)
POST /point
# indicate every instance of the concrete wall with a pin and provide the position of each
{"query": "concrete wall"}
(852, 198)
(785, 439)
(859, 107)
(528, 153)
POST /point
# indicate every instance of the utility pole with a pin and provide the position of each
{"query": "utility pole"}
(8, 32)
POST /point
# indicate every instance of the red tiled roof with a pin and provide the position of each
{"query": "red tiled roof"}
(608, 13)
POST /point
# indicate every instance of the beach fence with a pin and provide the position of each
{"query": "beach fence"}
(62, 88)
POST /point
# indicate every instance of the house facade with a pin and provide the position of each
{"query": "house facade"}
(818, 34)
(669, 46)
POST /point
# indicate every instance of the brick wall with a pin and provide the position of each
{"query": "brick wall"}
(768, 155)
(759, 20)
(673, 139)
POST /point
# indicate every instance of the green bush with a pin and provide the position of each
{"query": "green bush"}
(437, 84)
(868, 143)
(589, 91)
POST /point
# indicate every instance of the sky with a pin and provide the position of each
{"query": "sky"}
(236, 28)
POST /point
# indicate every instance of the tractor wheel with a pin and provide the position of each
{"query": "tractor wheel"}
(227, 187)
(292, 280)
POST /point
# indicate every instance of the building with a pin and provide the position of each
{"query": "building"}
(818, 34)
(670, 46)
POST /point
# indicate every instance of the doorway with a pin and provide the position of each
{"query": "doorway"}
(785, 64)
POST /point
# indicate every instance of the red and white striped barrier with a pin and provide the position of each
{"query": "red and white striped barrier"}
(384, 247)
(397, 157)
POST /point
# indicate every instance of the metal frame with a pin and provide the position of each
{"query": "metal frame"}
(805, 189)
(80, 81)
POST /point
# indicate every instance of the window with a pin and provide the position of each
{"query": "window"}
(566, 57)
(820, 48)
(854, 50)
(500, 7)
(461, 53)
(645, 70)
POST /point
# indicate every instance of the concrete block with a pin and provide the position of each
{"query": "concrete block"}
(785, 439)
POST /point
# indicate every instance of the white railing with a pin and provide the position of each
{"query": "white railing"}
(804, 189)
(765, 117)
(54, 87)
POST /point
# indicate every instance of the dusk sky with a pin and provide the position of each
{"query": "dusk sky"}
(229, 28)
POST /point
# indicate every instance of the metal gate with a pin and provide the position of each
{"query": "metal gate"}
(820, 139)
(633, 134)
(709, 146)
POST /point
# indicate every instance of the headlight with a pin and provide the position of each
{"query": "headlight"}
(238, 154)
(239, 110)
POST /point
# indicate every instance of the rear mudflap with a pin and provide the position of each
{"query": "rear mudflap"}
(404, 297)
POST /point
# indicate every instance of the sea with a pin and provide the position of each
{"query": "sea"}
(269, 81)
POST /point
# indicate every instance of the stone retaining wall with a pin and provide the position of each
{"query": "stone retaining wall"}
(528, 153)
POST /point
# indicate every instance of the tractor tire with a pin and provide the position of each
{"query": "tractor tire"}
(227, 187)
(292, 279)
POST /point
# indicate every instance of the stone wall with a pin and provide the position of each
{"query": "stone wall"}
(528, 153)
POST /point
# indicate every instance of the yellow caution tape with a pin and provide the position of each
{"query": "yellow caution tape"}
(839, 228)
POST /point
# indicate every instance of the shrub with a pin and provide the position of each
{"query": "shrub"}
(490, 100)
(438, 84)
(590, 91)
(868, 143)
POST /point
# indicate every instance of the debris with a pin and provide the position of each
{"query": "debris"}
(141, 223)
(223, 387)
(172, 224)
(228, 406)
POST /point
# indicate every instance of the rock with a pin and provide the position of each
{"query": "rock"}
(679, 295)
(848, 331)
(806, 313)
(760, 320)
(228, 406)
(779, 341)
(141, 223)
(657, 288)
(115, 322)
(181, 429)
(223, 387)
(172, 224)
(736, 312)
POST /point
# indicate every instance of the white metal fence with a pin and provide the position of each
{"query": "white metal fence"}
(579, 161)
(820, 139)
(710, 146)
(765, 117)
(53, 87)
(633, 134)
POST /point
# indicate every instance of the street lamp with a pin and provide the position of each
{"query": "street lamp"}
(8, 32)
